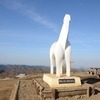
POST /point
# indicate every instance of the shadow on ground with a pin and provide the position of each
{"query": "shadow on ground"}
(93, 81)
(90, 80)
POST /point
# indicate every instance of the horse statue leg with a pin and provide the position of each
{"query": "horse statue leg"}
(61, 68)
(52, 64)
(52, 57)
(59, 52)
(68, 59)
(58, 67)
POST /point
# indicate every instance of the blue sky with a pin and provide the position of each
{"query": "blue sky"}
(29, 27)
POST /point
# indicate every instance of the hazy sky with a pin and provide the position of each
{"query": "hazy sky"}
(29, 27)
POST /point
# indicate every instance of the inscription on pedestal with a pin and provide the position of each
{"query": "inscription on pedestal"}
(65, 81)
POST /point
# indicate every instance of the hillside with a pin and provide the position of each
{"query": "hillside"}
(13, 70)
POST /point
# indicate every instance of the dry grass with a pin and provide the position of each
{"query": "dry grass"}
(6, 87)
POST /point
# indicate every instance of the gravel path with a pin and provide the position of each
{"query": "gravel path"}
(27, 91)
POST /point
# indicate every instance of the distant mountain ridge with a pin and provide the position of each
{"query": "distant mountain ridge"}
(13, 70)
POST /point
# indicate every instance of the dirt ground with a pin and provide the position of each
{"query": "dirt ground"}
(6, 87)
(27, 91)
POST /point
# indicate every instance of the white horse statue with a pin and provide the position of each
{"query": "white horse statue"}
(61, 50)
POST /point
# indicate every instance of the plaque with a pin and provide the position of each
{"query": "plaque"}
(65, 81)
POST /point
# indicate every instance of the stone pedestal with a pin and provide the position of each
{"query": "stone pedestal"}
(63, 81)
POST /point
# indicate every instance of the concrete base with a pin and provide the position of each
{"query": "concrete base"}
(63, 81)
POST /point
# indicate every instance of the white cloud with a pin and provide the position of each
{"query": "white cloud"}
(40, 19)
(88, 46)
(30, 12)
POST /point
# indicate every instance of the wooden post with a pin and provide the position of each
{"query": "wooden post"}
(53, 94)
(35, 85)
(88, 91)
(92, 90)
(37, 90)
(33, 82)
